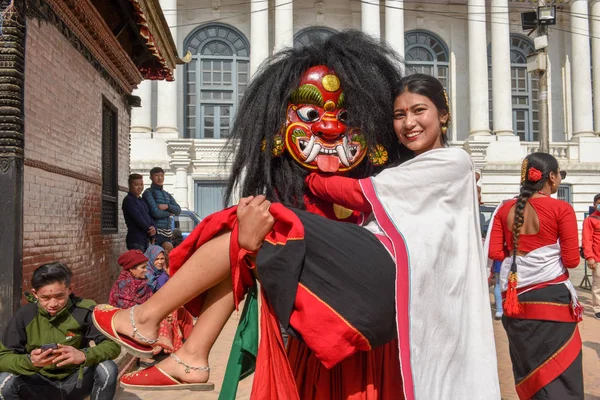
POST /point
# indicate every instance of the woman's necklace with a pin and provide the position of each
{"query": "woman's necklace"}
(542, 193)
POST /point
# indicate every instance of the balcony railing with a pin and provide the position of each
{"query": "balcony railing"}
(560, 150)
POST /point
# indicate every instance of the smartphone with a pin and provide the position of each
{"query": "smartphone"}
(52, 346)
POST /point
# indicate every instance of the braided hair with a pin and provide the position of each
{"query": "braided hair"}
(535, 170)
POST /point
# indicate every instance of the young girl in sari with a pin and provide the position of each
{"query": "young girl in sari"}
(343, 288)
(536, 239)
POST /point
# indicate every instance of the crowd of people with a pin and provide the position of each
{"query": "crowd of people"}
(377, 304)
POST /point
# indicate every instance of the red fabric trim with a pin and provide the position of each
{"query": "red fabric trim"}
(273, 377)
(402, 285)
(366, 375)
(551, 368)
(287, 227)
(328, 334)
(546, 312)
(559, 279)
(338, 190)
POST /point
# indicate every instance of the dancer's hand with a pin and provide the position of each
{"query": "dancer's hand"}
(255, 221)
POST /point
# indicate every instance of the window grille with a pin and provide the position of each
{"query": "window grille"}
(214, 80)
(564, 193)
(109, 218)
(426, 53)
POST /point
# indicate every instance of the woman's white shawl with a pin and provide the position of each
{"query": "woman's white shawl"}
(428, 207)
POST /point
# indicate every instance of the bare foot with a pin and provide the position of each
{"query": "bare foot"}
(122, 323)
(179, 372)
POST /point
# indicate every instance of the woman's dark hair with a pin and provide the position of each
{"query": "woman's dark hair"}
(134, 177)
(430, 87)
(368, 71)
(48, 274)
(544, 163)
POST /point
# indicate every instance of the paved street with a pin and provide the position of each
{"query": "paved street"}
(590, 331)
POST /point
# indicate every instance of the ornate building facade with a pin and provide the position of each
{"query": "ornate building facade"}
(67, 71)
(476, 48)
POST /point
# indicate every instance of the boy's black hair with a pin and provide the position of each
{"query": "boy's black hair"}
(50, 273)
(156, 170)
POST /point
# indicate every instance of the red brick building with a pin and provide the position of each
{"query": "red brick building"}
(67, 71)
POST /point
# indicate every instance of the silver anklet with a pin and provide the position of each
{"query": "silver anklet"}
(136, 332)
(188, 367)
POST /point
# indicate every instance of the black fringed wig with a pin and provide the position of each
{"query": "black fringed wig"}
(368, 72)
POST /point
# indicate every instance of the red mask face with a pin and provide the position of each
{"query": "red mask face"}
(316, 133)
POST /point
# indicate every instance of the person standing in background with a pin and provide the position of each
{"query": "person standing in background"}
(162, 205)
(590, 242)
(140, 225)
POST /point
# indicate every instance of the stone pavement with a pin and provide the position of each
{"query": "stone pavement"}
(590, 332)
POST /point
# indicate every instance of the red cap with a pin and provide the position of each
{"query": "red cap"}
(132, 259)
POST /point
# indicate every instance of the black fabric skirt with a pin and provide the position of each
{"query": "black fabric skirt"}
(533, 342)
(339, 276)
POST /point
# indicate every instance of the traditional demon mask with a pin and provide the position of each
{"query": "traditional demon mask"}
(316, 134)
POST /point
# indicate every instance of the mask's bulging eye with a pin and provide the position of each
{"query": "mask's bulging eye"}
(308, 114)
(343, 116)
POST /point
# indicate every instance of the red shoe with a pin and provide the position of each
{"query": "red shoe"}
(154, 378)
(103, 316)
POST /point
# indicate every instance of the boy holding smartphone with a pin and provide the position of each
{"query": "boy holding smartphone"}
(46, 345)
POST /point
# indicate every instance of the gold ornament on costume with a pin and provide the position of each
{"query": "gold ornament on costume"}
(378, 156)
(331, 83)
(524, 170)
(278, 145)
(341, 212)
(329, 106)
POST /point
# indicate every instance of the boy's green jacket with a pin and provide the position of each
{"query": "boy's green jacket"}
(32, 326)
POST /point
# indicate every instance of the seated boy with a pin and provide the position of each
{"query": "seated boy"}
(45, 350)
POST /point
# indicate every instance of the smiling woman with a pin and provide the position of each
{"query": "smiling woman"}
(421, 114)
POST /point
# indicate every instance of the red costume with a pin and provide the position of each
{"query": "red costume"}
(556, 219)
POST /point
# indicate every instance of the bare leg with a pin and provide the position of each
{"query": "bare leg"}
(216, 310)
(207, 267)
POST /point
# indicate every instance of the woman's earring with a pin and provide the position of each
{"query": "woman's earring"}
(444, 129)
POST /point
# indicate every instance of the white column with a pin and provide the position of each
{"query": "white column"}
(501, 79)
(181, 184)
(370, 18)
(596, 62)
(180, 160)
(284, 24)
(394, 26)
(479, 121)
(582, 86)
(259, 33)
(166, 104)
(141, 117)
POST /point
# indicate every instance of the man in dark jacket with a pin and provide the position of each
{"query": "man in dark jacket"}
(45, 351)
(140, 225)
(162, 205)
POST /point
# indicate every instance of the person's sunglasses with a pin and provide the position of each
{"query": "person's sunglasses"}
(563, 174)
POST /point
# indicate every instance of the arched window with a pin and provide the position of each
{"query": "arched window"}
(425, 53)
(312, 34)
(524, 89)
(214, 80)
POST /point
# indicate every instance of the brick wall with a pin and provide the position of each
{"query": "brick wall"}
(62, 207)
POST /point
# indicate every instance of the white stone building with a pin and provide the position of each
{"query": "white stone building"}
(475, 47)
